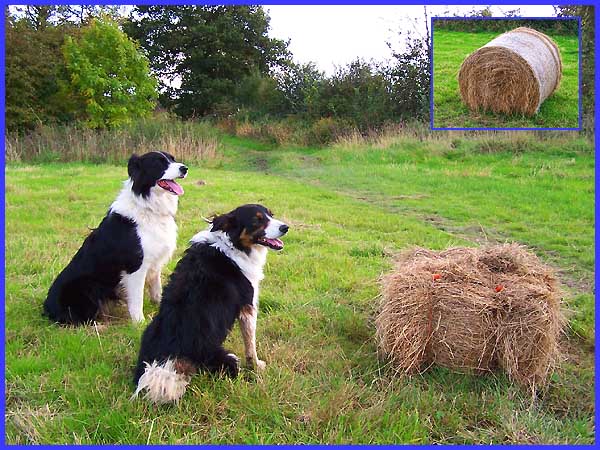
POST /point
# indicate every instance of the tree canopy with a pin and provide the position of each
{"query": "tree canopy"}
(207, 49)
(72, 64)
(34, 72)
(109, 73)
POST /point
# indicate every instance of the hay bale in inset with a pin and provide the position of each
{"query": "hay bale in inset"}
(512, 74)
(472, 309)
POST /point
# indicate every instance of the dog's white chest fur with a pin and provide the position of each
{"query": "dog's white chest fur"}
(155, 222)
(158, 239)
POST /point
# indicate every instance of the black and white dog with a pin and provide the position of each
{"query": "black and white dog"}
(132, 243)
(215, 283)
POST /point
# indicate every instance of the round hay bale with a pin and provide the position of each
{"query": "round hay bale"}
(512, 74)
(471, 310)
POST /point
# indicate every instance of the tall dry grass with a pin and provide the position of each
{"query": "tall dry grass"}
(195, 141)
(189, 141)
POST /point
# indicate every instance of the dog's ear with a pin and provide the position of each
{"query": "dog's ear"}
(134, 166)
(224, 222)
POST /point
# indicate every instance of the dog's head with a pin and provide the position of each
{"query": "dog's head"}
(155, 170)
(251, 225)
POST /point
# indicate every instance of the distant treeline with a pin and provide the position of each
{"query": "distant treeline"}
(204, 61)
(94, 67)
(476, 25)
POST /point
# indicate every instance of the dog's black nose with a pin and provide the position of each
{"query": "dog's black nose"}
(284, 228)
(183, 169)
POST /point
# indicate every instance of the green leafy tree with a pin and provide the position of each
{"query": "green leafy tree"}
(208, 50)
(359, 93)
(110, 75)
(409, 78)
(299, 85)
(260, 95)
(35, 71)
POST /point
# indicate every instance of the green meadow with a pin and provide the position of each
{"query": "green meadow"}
(450, 48)
(351, 207)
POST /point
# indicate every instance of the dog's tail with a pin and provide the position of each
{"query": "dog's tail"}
(162, 382)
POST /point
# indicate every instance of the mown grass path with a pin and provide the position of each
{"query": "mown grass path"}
(349, 210)
(450, 48)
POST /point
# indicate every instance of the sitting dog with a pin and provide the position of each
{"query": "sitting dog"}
(215, 283)
(130, 246)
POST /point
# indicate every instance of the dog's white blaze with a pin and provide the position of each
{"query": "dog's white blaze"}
(161, 383)
(173, 171)
(272, 231)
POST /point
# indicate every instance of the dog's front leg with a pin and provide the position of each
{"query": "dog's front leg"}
(248, 317)
(133, 284)
(153, 280)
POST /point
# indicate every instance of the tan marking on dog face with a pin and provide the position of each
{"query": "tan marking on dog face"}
(246, 239)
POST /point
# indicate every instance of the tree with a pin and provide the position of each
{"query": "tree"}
(409, 74)
(260, 95)
(357, 93)
(42, 16)
(35, 71)
(207, 49)
(299, 85)
(109, 73)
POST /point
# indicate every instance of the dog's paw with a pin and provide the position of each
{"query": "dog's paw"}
(231, 365)
(257, 364)
(155, 294)
(260, 364)
(138, 319)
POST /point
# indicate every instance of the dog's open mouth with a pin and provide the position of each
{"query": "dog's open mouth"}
(272, 243)
(170, 186)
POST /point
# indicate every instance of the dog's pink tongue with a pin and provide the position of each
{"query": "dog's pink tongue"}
(275, 242)
(176, 188)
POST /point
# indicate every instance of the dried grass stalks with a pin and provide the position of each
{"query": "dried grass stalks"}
(512, 74)
(445, 308)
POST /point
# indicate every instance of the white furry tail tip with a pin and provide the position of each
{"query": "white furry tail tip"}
(162, 383)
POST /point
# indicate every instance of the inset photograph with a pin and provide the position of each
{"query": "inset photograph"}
(506, 73)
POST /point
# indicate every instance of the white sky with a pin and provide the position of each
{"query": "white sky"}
(333, 36)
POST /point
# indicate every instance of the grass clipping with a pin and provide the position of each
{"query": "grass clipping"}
(473, 310)
(512, 74)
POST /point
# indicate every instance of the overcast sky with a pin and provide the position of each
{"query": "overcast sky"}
(335, 35)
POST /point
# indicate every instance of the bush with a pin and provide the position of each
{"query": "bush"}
(327, 130)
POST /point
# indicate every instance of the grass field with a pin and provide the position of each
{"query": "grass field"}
(450, 48)
(350, 208)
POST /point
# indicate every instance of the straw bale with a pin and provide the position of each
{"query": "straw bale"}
(512, 74)
(472, 310)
